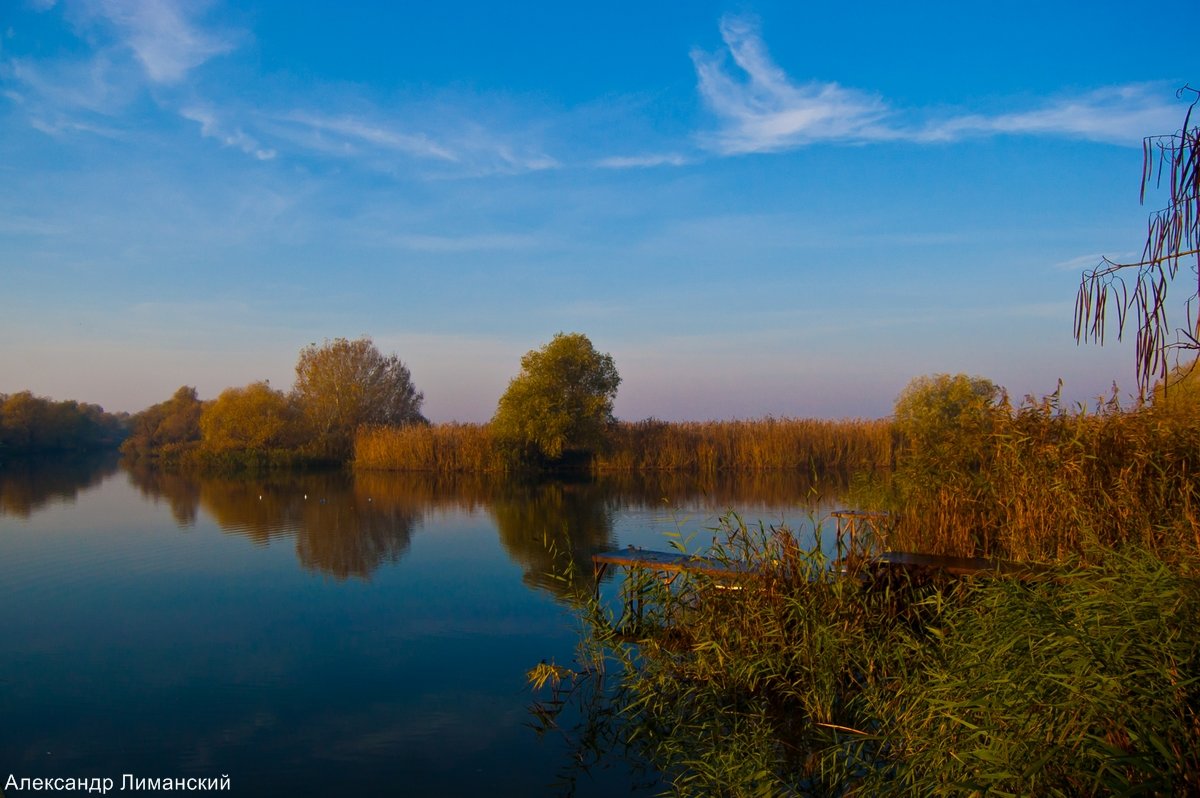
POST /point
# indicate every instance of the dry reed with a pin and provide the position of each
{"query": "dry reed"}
(812, 445)
(1044, 483)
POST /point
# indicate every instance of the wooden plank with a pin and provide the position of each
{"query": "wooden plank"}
(671, 562)
(961, 566)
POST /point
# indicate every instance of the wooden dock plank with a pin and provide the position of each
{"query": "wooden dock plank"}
(670, 562)
(675, 563)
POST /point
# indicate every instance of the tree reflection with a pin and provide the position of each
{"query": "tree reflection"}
(341, 528)
(347, 525)
(552, 529)
(28, 484)
(180, 491)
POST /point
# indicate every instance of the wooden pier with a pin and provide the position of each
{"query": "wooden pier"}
(668, 565)
(861, 546)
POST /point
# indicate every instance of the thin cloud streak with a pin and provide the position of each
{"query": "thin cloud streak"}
(210, 127)
(1090, 261)
(347, 135)
(760, 109)
(642, 161)
(1114, 115)
(469, 243)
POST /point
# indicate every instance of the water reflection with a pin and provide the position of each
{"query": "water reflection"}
(180, 491)
(348, 525)
(193, 652)
(551, 530)
(342, 527)
(29, 484)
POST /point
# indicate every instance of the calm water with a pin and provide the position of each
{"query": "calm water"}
(312, 634)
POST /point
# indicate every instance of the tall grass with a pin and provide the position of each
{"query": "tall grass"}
(702, 447)
(440, 448)
(748, 445)
(895, 685)
(1042, 483)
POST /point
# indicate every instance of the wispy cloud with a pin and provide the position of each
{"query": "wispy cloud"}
(1116, 115)
(164, 35)
(643, 161)
(761, 109)
(1090, 261)
(764, 111)
(211, 127)
(133, 45)
(348, 135)
(96, 85)
(461, 148)
(468, 243)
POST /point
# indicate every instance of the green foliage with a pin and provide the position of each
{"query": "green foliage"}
(561, 401)
(32, 424)
(342, 385)
(937, 412)
(168, 431)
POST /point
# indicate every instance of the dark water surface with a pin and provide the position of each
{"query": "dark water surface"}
(314, 634)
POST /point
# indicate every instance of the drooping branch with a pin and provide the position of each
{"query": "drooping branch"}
(1140, 288)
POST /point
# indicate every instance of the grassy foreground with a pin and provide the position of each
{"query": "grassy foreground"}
(810, 685)
(1087, 683)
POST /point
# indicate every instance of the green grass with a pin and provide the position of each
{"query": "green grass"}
(811, 685)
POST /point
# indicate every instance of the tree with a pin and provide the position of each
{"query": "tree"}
(256, 418)
(169, 430)
(343, 384)
(1172, 240)
(561, 401)
(1179, 393)
(946, 416)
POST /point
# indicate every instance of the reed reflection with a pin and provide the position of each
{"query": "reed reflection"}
(28, 484)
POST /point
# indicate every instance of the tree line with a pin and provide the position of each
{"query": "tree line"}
(340, 385)
(36, 425)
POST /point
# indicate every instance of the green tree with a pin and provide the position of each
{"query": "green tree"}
(946, 417)
(561, 401)
(341, 385)
(255, 418)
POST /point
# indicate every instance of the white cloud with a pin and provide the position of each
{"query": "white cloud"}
(463, 148)
(766, 112)
(760, 109)
(1091, 261)
(469, 243)
(97, 85)
(348, 134)
(1116, 115)
(642, 161)
(163, 36)
(210, 127)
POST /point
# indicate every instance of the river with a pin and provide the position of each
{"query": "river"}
(318, 633)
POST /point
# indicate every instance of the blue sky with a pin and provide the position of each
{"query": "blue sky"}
(756, 208)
